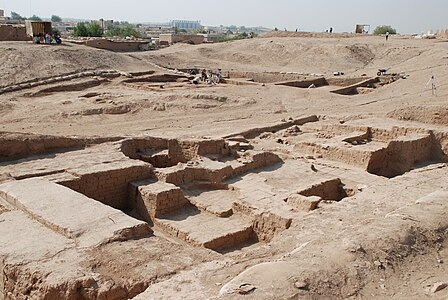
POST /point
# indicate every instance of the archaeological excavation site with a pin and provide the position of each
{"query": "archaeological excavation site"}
(302, 174)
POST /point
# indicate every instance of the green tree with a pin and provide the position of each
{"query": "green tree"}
(94, 30)
(80, 30)
(56, 19)
(383, 29)
(123, 31)
(16, 16)
(35, 18)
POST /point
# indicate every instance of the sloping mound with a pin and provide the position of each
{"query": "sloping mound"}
(424, 114)
(316, 55)
(22, 61)
(276, 54)
(289, 34)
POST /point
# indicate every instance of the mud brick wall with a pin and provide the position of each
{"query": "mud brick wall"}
(186, 150)
(13, 33)
(229, 240)
(110, 187)
(114, 46)
(158, 199)
(179, 38)
(400, 156)
(351, 156)
(187, 175)
(258, 160)
(386, 135)
(440, 145)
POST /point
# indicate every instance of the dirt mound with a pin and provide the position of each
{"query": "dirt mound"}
(307, 34)
(269, 185)
(424, 114)
(287, 54)
(41, 61)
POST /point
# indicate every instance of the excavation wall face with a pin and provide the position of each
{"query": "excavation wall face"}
(266, 77)
(352, 89)
(305, 83)
(156, 78)
(327, 190)
(183, 151)
(165, 153)
(344, 81)
(109, 184)
(400, 156)
(13, 146)
(135, 148)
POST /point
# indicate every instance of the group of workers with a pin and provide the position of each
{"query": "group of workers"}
(48, 38)
(209, 77)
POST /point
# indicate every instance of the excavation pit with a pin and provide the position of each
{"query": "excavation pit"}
(333, 190)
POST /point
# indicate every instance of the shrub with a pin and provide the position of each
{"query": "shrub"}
(94, 30)
(80, 30)
(383, 29)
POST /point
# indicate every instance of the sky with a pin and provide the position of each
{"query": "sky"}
(407, 16)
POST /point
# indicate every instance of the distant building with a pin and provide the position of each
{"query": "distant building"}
(64, 27)
(2, 16)
(184, 24)
(104, 24)
(362, 28)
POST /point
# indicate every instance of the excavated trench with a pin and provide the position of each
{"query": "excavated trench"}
(192, 190)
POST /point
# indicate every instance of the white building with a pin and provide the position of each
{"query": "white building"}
(185, 24)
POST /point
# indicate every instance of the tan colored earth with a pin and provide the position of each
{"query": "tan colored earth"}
(120, 178)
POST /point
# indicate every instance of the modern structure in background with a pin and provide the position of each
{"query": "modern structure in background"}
(362, 28)
(104, 24)
(185, 24)
(2, 16)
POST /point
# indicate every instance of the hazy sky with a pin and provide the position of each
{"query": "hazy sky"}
(407, 16)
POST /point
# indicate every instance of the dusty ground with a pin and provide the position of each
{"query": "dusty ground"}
(374, 162)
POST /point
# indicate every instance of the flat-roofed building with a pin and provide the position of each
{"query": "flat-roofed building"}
(185, 24)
